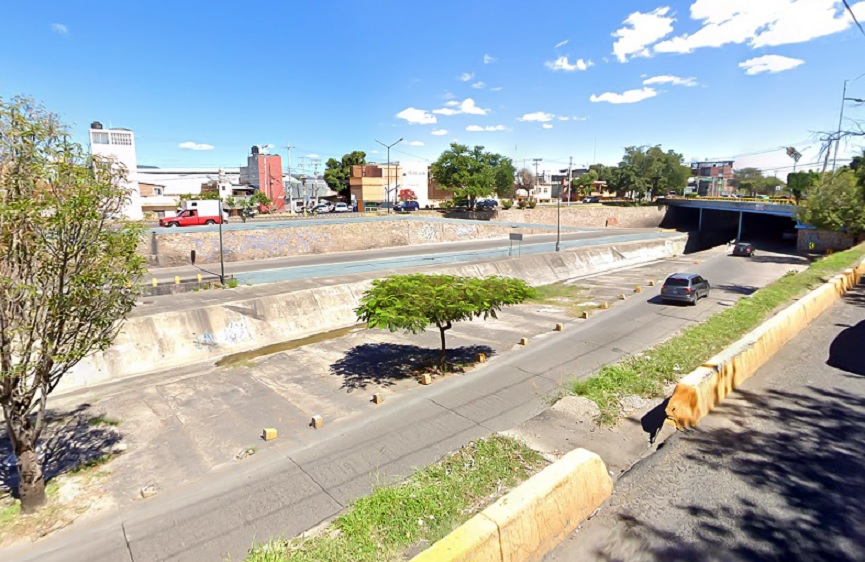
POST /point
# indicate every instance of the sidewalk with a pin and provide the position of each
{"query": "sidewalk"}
(777, 472)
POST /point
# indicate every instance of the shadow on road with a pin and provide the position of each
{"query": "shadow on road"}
(385, 363)
(802, 465)
(736, 289)
(792, 260)
(71, 439)
(846, 352)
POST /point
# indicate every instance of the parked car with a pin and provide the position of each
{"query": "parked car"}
(684, 287)
(592, 199)
(322, 207)
(407, 206)
(486, 204)
(341, 208)
(744, 249)
(196, 213)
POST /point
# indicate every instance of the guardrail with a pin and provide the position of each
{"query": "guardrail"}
(772, 200)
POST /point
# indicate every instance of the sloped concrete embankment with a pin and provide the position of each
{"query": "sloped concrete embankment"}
(185, 337)
(699, 392)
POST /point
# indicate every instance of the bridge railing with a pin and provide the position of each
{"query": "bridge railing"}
(772, 200)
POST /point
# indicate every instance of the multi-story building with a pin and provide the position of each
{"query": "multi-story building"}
(119, 146)
(712, 178)
(264, 172)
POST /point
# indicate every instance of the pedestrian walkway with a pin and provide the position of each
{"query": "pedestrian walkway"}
(777, 472)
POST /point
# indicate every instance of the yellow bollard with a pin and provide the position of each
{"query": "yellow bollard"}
(199, 278)
(482, 358)
(177, 280)
(585, 315)
(638, 289)
(154, 282)
(605, 305)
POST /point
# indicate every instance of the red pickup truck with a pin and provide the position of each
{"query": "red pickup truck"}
(190, 217)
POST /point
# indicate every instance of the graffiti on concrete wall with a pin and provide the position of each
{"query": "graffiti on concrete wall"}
(426, 232)
(236, 332)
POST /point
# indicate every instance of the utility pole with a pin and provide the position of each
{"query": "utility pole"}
(840, 121)
(536, 161)
(570, 178)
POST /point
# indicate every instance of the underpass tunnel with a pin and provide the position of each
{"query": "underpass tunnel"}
(712, 227)
(769, 232)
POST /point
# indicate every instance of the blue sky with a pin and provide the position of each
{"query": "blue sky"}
(714, 78)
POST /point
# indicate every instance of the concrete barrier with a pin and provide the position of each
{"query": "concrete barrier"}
(178, 338)
(533, 518)
(700, 391)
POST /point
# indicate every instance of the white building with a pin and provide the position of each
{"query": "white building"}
(415, 176)
(119, 145)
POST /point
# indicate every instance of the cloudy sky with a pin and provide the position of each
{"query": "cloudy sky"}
(200, 82)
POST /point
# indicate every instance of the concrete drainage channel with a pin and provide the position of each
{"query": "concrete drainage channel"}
(535, 517)
(177, 338)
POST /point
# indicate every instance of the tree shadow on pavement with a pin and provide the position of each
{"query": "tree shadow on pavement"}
(791, 470)
(384, 364)
(735, 289)
(846, 352)
(72, 438)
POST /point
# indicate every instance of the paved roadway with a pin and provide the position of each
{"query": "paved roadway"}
(294, 488)
(776, 473)
(331, 264)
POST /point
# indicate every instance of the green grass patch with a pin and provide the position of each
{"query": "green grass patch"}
(647, 374)
(572, 298)
(427, 506)
(98, 461)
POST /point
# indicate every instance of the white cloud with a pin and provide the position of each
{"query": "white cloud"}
(672, 80)
(59, 29)
(537, 116)
(466, 106)
(478, 128)
(630, 96)
(448, 95)
(643, 29)
(416, 116)
(452, 103)
(414, 143)
(466, 76)
(496, 89)
(765, 23)
(440, 132)
(547, 126)
(769, 63)
(562, 64)
(489, 59)
(189, 145)
(479, 85)
(561, 43)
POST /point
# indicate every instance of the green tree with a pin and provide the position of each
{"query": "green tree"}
(414, 302)
(836, 204)
(651, 170)
(753, 182)
(800, 182)
(338, 172)
(69, 271)
(471, 174)
(583, 184)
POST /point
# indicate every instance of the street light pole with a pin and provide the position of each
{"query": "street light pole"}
(387, 189)
(221, 257)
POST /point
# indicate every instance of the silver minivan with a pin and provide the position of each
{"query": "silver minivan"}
(685, 287)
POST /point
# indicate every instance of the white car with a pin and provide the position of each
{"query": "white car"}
(341, 208)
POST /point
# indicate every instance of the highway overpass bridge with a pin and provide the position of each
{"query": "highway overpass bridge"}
(723, 218)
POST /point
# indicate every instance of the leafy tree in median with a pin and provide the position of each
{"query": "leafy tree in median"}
(414, 302)
(473, 174)
(338, 172)
(69, 272)
(582, 186)
(406, 195)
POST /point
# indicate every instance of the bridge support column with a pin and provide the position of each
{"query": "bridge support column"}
(700, 224)
(739, 233)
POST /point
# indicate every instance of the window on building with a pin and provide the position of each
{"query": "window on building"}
(157, 191)
(99, 137)
(121, 138)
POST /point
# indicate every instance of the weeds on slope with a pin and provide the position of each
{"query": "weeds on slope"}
(427, 506)
(646, 374)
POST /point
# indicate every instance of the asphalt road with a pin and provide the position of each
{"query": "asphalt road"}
(777, 472)
(287, 492)
(331, 264)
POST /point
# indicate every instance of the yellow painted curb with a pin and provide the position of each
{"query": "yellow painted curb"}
(533, 518)
(701, 390)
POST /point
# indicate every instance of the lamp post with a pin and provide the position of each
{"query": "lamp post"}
(841, 118)
(387, 189)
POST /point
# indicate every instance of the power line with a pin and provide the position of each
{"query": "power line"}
(852, 15)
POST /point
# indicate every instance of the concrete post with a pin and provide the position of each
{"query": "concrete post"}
(739, 233)
(700, 224)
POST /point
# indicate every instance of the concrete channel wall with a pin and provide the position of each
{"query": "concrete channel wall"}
(167, 340)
